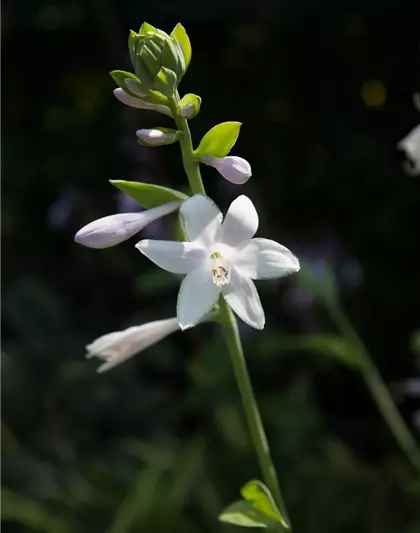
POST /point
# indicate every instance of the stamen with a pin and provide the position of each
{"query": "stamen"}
(220, 270)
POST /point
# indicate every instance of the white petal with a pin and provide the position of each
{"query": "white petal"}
(176, 257)
(197, 295)
(263, 258)
(117, 347)
(235, 169)
(132, 101)
(243, 298)
(113, 229)
(240, 223)
(201, 219)
(411, 146)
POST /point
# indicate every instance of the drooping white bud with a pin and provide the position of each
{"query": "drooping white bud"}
(115, 348)
(156, 137)
(111, 230)
(235, 169)
(132, 101)
(411, 146)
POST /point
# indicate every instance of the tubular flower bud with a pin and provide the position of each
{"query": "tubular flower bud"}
(235, 169)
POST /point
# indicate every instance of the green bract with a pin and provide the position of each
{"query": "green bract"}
(219, 141)
(148, 195)
(257, 509)
(189, 106)
(159, 60)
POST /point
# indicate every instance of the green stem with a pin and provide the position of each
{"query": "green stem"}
(230, 328)
(378, 389)
(252, 413)
(192, 167)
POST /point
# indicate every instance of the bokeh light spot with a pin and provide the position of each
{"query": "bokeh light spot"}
(373, 94)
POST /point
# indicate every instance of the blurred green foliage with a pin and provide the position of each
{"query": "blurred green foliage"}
(324, 92)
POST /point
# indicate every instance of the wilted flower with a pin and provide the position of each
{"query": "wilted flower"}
(411, 146)
(220, 259)
(111, 230)
(235, 169)
(115, 348)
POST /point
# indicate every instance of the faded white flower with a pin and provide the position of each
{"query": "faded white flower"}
(115, 348)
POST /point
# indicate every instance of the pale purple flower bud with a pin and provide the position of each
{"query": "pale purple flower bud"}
(411, 146)
(115, 348)
(188, 110)
(132, 101)
(235, 169)
(111, 230)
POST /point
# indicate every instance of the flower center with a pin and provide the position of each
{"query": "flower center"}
(220, 269)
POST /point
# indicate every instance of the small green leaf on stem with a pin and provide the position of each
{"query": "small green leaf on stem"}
(219, 141)
(148, 195)
(257, 509)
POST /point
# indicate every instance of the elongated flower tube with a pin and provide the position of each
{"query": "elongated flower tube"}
(115, 348)
(411, 146)
(235, 169)
(113, 229)
(221, 258)
(138, 103)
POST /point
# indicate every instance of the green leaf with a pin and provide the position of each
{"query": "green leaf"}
(219, 141)
(148, 195)
(192, 110)
(119, 76)
(181, 36)
(241, 513)
(145, 28)
(327, 344)
(257, 509)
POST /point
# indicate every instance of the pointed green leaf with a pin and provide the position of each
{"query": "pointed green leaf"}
(219, 141)
(145, 28)
(261, 499)
(119, 76)
(181, 36)
(241, 513)
(148, 195)
(257, 509)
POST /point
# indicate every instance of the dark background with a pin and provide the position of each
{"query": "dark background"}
(324, 90)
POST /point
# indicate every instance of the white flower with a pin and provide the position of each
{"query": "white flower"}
(115, 348)
(220, 259)
(113, 229)
(235, 169)
(132, 101)
(411, 146)
(155, 137)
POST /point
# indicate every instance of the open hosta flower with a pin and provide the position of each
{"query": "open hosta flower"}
(115, 348)
(111, 230)
(222, 258)
(139, 103)
(411, 146)
(233, 168)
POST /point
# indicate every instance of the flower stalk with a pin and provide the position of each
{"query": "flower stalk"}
(231, 333)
